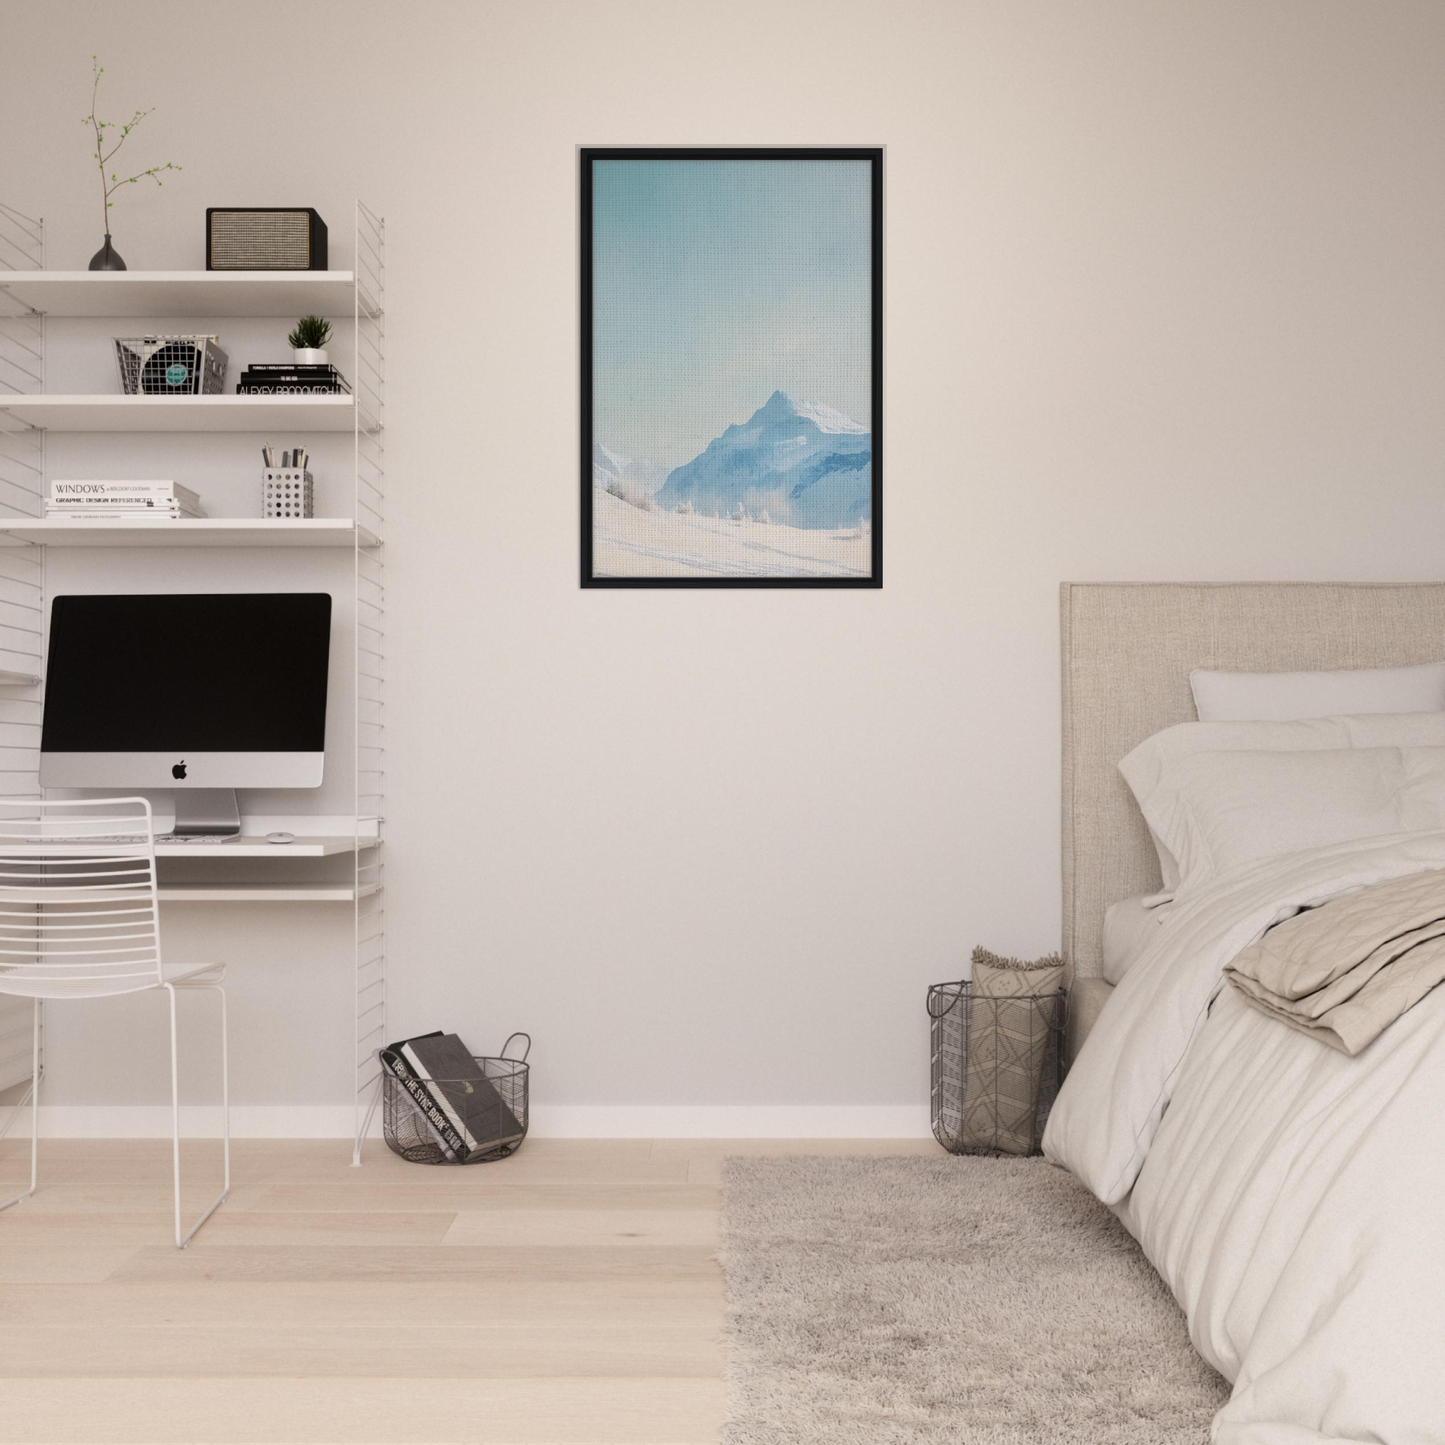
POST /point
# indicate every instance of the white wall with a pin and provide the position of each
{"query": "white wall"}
(1164, 300)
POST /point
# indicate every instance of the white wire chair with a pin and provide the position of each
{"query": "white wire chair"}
(79, 918)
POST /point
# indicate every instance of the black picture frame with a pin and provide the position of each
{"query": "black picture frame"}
(874, 155)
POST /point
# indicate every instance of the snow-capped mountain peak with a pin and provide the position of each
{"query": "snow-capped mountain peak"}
(780, 406)
(805, 462)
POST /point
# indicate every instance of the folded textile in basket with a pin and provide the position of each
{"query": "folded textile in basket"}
(1008, 1034)
(1344, 972)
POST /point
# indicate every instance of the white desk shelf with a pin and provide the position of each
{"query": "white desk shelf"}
(247, 847)
(186, 532)
(30, 298)
(101, 412)
(285, 294)
(261, 892)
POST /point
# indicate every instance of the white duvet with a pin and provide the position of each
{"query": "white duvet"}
(1293, 1198)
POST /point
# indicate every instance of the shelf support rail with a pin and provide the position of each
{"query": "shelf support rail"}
(369, 665)
(22, 577)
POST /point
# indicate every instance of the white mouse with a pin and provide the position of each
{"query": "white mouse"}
(280, 837)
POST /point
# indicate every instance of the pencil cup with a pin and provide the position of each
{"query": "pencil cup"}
(286, 492)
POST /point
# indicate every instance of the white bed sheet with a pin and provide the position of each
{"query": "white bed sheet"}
(1293, 1198)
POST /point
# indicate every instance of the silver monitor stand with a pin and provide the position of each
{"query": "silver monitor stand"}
(207, 813)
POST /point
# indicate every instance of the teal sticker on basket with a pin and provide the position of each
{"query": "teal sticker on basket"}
(176, 374)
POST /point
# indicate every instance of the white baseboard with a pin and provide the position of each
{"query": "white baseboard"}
(731, 1121)
(549, 1121)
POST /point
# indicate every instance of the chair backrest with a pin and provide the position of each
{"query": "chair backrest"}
(78, 904)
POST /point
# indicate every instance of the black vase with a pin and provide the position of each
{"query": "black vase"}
(107, 258)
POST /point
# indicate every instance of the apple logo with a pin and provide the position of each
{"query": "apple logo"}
(179, 771)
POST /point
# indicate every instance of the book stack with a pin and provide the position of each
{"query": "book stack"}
(288, 379)
(459, 1105)
(90, 500)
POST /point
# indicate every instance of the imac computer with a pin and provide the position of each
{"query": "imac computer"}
(199, 693)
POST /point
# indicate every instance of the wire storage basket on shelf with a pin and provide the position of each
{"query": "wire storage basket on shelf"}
(997, 1064)
(171, 365)
(492, 1128)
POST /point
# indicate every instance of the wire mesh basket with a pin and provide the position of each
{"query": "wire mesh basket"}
(997, 1064)
(170, 365)
(409, 1133)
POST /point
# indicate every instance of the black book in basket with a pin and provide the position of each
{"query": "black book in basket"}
(425, 1106)
(456, 1107)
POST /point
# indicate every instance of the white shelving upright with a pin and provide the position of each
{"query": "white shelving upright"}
(28, 293)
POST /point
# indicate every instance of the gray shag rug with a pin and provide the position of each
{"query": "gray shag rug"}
(973, 1301)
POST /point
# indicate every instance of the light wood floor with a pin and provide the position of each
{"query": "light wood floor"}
(566, 1296)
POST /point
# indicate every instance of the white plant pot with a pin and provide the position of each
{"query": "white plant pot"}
(309, 356)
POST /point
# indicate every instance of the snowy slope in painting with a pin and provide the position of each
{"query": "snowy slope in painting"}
(801, 462)
(625, 476)
(630, 540)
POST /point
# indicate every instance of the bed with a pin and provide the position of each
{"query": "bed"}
(1293, 1198)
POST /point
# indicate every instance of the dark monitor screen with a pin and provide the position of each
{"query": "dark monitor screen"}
(231, 672)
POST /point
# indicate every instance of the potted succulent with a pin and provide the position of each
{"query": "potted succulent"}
(308, 340)
(107, 258)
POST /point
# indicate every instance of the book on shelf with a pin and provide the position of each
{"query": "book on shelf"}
(461, 1105)
(294, 368)
(290, 379)
(290, 386)
(105, 495)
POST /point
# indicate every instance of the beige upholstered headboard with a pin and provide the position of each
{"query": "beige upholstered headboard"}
(1127, 650)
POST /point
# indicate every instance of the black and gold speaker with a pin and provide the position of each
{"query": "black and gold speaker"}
(265, 238)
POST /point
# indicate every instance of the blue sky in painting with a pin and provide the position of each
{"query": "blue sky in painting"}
(716, 283)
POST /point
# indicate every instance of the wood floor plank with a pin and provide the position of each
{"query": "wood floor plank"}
(205, 1264)
(448, 1197)
(227, 1226)
(460, 1351)
(121, 1305)
(568, 1228)
(59, 1264)
(361, 1412)
(197, 1191)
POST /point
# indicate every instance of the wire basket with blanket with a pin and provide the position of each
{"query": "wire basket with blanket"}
(997, 1054)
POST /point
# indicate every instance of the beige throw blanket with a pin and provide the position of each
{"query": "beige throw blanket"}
(1008, 1035)
(1346, 971)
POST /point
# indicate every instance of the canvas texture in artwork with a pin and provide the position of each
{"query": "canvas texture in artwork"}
(732, 370)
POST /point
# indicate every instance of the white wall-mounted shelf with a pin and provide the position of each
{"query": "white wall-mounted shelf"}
(31, 300)
(185, 532)
(260, 892)
(78, 413)
(286, 294)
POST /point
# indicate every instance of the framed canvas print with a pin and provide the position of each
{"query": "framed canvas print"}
(732, 367)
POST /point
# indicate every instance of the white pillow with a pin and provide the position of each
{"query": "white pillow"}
(1283, 696)
(1217, 811)
(1145, 768)
(1130, 926)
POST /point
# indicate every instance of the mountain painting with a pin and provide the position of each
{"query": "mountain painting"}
(731, 368)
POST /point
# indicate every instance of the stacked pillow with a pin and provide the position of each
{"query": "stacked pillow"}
(1235, 788)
